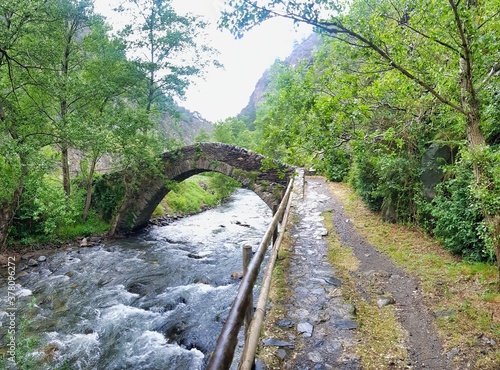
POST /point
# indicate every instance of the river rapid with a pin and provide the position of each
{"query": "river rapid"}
(153, 301)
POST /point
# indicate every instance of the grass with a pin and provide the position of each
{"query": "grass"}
(465, 291)
(279, 295)
(26, 343)
(195, 193)
(380, 336)
(92, 226)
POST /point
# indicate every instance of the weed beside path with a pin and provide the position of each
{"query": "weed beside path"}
(459, 295)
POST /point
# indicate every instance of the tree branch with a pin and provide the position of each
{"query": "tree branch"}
(337, 27)
(494, 72)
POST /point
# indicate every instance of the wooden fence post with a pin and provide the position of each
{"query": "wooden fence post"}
(275, 233)
(247, 256)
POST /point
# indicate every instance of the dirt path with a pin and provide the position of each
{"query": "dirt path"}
(322, 326)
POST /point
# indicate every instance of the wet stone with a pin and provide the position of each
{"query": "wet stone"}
(281, 353)
(42, 259)
(323, 231)
(32, 262)
(454, 351)
(330, 280)
(305, 328)
(334, 347)
(276, 343)
(319, 343)
(301, 313)
(346, 325)
(315, 357)
(285, 323)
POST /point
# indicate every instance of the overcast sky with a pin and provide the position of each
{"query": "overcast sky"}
(226, 91)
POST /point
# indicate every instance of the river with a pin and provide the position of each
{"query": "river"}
(153, 301)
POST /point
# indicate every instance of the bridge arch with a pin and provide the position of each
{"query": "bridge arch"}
(239, 163)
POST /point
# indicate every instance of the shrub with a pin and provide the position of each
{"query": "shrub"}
(107, 193)
(398, 186)
(457, 219)
(364, 179)
(335, 165)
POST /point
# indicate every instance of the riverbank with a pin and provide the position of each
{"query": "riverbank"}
(192, 196)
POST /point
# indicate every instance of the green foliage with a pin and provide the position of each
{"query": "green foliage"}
(222, 185)
(108, 194)
(202, 137)
(235, 131)
(197, 192)
(26, 343)
(365, 179)
(49, 215)
(398, 186)
(457, 220)
(401, 82)
(67, 84)
(168, 47)
(335, 165)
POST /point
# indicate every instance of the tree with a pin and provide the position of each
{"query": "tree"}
(58, 88)
(446, 49)
(19, 22)
(202, 136)
(166, 46)
(111, 77)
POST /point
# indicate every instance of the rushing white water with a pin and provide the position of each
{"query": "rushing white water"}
(154, 301)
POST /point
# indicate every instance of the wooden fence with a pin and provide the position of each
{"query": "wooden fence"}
(222, 356)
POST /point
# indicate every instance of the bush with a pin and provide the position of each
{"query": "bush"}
(107, 193)
(335, 165)
(398, 186)
(365, 179)
(46, 214)
(457, 219)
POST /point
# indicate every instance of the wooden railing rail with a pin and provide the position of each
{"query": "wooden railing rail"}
(253, 331)
(222, 356)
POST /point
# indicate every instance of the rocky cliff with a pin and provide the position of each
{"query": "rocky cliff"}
(302, 51)
(184, 125)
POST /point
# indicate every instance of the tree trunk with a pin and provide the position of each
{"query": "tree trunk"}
(88, 198)
(477, 145)
(7, 212)
(65, 170)
(8, 209)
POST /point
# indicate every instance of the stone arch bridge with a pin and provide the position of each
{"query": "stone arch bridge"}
(245, 166)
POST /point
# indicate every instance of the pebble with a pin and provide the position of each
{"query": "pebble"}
(323, 231)
(346, 324)
(454, 351)
(315, 357)
(42, 259)
(32, 262)
(285, 323)
(385, 301)
(281, 353)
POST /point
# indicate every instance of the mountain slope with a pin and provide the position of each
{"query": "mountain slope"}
(303, 51)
